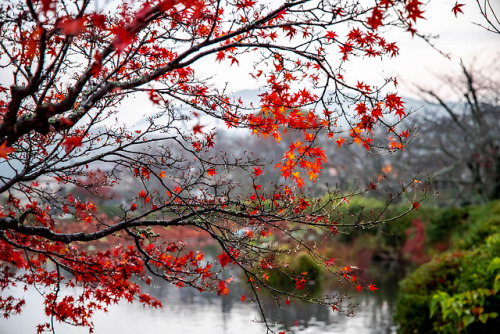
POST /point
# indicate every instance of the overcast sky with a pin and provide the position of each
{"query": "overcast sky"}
(459, 37)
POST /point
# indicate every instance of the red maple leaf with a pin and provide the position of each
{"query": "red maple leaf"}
(457, 8)
(300, 283)
(233, 60)
(400, 112)
(4, 150)
(220, 56)
(73, 27)
(71, 142)
(154, 96)
(372, 287)
(98, 20)
(245, 3)
(96, 66)
(122, 39)
(222, 288)
(393, 101)
(377, 111)
(211, 172)
(346, 49)
(415, 205)
(41, 328)
(330, 262)
(413, 9)
(197, 128)
(331, 35)
(405, 134)
(376, 19)
(224, 259)
(257, 171)
(359, 288)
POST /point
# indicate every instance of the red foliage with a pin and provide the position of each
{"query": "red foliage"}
(72, 27)
(457, 8)
(70, 143)
(415, 243)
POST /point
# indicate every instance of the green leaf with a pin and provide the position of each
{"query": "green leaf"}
(434, 305)
(468, 319)
(496, 285)
(485, 316)
(494, 265)
(437, 301)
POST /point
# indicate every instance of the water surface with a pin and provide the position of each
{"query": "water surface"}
(189, 311)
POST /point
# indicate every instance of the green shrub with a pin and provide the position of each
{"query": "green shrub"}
(457, 291)
(412, 307)
(444, 224)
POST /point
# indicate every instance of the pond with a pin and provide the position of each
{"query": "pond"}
(189, 311)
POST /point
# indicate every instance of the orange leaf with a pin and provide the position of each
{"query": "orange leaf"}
(387, 169)
(4, 150)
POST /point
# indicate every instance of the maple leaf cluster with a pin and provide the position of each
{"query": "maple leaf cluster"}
(67, 147)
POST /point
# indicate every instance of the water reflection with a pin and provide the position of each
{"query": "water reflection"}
(187, 310)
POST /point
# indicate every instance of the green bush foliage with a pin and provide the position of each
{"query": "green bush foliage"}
(458, 291)
(443, 224)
